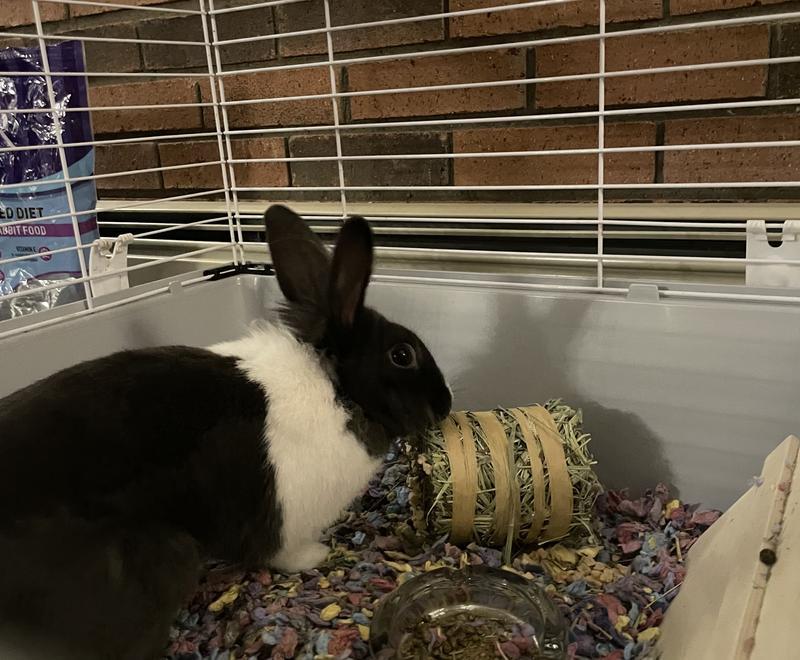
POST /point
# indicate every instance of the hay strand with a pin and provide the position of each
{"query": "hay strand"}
(509, 476)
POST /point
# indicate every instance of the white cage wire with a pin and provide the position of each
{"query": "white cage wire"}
(428, 223)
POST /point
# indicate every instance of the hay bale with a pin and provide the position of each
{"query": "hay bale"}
(508, 476)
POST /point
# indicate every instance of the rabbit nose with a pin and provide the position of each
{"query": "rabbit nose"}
(444, 404)
(436, 414)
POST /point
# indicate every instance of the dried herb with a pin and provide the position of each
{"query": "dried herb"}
(466, 637)
(613, 593)
(432, 482)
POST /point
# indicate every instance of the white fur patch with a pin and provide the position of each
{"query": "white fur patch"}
(320, 466)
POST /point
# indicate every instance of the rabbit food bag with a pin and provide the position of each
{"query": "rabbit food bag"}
(32, 184)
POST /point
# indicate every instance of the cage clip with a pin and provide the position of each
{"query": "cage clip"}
(784, 267)
(108, 259)
(643, 292)
(230, 270)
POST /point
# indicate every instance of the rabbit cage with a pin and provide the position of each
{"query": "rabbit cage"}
(595, 200)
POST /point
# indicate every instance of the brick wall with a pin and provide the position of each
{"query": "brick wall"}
(499, 53)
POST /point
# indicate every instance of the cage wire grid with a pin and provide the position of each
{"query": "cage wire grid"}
(236, 219)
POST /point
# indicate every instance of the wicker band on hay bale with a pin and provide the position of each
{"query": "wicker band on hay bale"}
(519, 475)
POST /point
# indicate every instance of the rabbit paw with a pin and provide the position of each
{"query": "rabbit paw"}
(300, 558)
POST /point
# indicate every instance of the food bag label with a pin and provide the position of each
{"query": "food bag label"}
(39, 168)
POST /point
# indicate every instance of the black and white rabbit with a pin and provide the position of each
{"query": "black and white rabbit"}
(118, 468)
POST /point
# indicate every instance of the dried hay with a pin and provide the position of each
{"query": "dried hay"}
(475, 485)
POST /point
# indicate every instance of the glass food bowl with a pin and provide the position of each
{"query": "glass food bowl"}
(460, 606)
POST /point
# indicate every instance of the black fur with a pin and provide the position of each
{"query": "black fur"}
(166, 435)
(357, 340)
(141, 450)
(402, 401)
(117, 476)
(71, 589)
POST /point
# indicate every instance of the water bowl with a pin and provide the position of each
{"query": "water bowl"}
(468, 614)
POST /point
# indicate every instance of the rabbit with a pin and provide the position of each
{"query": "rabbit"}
(72, 589)
(244, 451)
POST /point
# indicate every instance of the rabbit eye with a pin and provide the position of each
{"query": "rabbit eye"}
(403, 356)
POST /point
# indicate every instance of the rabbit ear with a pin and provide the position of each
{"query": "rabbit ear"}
(350, 272)
(301, 260)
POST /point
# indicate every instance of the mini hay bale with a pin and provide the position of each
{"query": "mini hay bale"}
(519, 475)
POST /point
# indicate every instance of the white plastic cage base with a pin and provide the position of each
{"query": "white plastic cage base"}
(690, 392)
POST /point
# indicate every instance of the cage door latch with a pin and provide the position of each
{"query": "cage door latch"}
(783, 267)
(107, 262)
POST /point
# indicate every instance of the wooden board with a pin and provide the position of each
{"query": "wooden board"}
(776, 633)
(716, 613)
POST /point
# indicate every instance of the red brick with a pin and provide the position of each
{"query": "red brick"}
(87, 10)
(119, 57)
(124, 158)
(274, 84)
(311, 15)
(632, 167)
(20, 12)
(400, 172)
(247, 174)
(755, 164)
(532, 19)
(679, 7)
(172, 90)
(438, 70)
(233, 25)
(785, 78)
(657, 50)
(186, 153)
